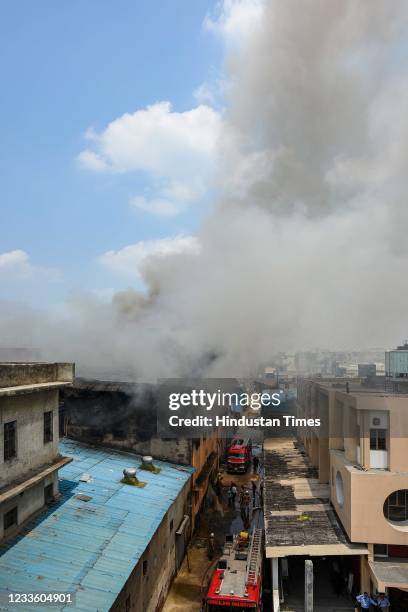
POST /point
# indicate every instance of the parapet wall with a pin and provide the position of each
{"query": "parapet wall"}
(18, 374)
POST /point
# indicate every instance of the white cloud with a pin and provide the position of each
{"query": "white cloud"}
(170, 201)
(156, 206)
(235, 19)
(172, 148)
(92, 161)
(129, 260)
(13, 259)
(16, 265)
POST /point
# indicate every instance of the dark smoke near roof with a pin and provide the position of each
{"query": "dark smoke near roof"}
(307, 245)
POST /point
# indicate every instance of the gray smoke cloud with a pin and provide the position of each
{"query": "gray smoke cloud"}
(307, 244)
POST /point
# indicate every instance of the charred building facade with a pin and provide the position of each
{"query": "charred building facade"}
(124, 416)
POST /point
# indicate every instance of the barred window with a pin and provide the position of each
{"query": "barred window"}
(10, 442)
(47, 427)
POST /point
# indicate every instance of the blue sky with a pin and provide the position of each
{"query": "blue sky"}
(69, 66)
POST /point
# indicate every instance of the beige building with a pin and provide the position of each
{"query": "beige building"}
(29, 457)
(361, 450)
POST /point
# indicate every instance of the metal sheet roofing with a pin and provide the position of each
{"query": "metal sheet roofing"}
(90, 547)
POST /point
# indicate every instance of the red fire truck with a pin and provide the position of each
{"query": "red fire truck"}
(237, 580)
(239, 455)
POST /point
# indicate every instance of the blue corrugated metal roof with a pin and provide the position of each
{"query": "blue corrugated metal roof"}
(90, 548)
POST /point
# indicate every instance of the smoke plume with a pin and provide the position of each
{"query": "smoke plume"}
(307, 243)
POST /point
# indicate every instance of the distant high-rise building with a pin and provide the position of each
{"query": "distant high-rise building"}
(396, 362)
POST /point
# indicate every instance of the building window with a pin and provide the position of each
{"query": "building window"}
(10, 518)
(10, 446)
(396, 506)
(171, 525)
(145, 567)
(339, 489)
(47, 427)
(378, 439)
(49, 494)
(380, 550)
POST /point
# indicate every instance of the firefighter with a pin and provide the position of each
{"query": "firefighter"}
(246, 499)
(232, 493)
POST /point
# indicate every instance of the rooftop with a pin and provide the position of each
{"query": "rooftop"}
(298, 517)
(91, 547)
(17, 378)
(390, 573)
(376, 387)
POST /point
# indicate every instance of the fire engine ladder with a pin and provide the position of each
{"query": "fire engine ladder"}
(254, 557)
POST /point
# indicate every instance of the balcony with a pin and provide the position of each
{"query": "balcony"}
(358, 496)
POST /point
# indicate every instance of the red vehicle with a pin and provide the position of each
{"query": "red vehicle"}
(237, 580)
(239, 455)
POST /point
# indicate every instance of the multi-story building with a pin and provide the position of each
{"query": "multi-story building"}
(396, 369)
(124, 416)
(360, 449)
(109, 544)
(29, 455)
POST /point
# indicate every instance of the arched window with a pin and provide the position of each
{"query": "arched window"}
(396, 506)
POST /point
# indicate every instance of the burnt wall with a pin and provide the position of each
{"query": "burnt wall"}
(120, 415)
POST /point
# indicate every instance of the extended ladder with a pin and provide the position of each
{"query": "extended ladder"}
(254, 557)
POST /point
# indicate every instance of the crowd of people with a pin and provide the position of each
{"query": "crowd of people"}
(249, 498)
(366, 602)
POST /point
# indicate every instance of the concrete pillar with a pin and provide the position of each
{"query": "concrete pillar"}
(308, 585)
(365, 441)
(275, 584)
(324, 460)
(364, 574)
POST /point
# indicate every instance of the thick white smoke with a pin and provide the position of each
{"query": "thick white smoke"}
(307, 245)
